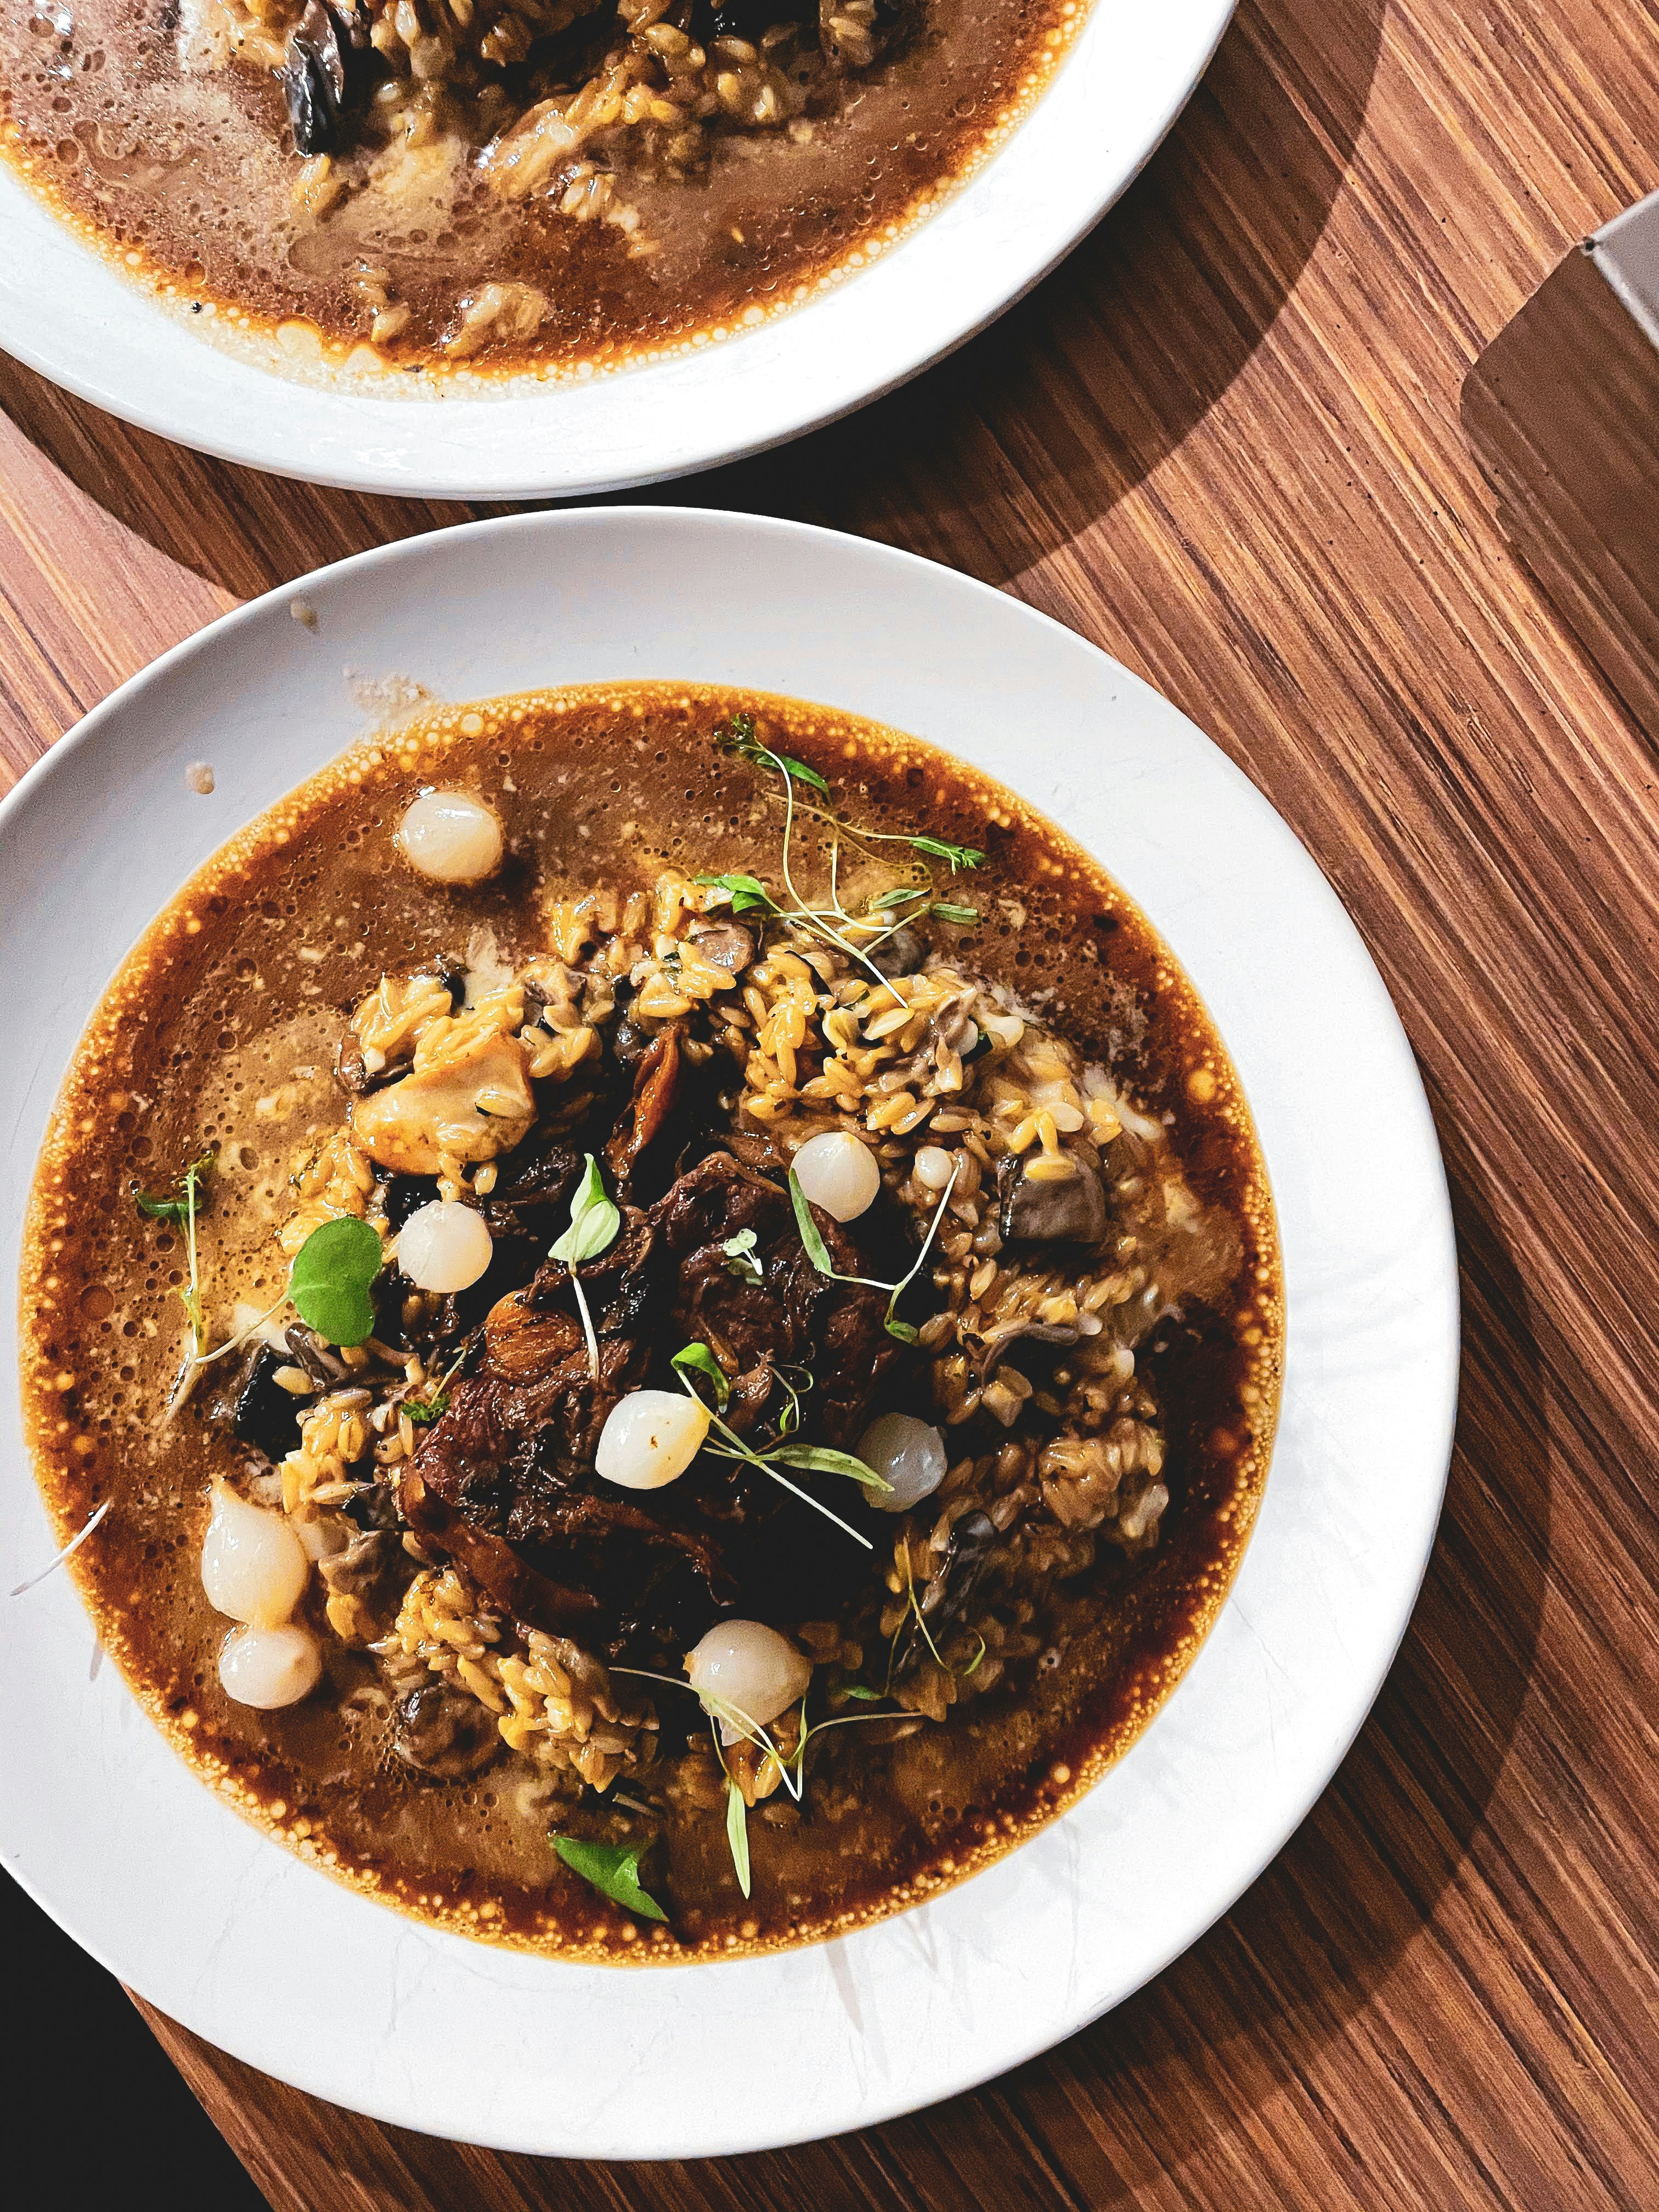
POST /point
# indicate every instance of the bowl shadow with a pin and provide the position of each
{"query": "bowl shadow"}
(997, 456)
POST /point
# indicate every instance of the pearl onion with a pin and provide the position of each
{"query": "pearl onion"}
(445, 1246)
(907, 1452)
(253, 1565)
(750, 1667)
(932, 1167)
(451, 836)
(269, 1667)
(838, 1172)
(650, 1438)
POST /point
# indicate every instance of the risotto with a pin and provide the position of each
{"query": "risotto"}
(659, 1318)
(428, 183)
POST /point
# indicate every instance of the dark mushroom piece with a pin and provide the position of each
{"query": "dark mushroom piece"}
(325, 73)
(310, 1354)
(259, 1411)
(443, 1735)
(963, 1568)
(901, 953)
(1071, 1210)
(724, 945)
(365, 1569)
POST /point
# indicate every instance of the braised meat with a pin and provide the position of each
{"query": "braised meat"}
(504, 1480)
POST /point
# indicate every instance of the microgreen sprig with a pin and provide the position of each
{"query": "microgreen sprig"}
(817, 1459)
(180, 1205)
(819, 1253)
(594, 1222)
(740, 1259)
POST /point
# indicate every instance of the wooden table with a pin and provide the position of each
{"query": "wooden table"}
(1223, 442)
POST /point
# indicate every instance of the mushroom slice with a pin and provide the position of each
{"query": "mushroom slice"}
(1069, 1210)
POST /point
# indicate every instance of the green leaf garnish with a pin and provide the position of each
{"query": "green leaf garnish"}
(697, 1359)
(188, 1193)
(819, 1459)
(737, 1832)
(816, 1250)
(740, 1259)
(594, 1220)
(613, 1869)
(749, 893)
(959, 856)
(330, 1278)
(738, 737)
(890, 899)
(423, 1411)
(864, 1697)
(966, 915)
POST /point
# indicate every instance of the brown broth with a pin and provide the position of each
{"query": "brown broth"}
(237, 994)
(187, 180)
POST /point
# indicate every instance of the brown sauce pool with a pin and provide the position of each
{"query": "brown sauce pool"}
(188, 180)
(221, 1027)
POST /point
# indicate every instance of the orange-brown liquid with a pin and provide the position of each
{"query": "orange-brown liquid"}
(220, 1028)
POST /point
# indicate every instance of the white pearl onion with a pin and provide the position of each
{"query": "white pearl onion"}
(932, 1166)
(907, 1452)
(253, 1567)
(445, 1246)
(451, 836)
(269, 1667)
(751, 1667)
(650, 1438)
(839, 1172)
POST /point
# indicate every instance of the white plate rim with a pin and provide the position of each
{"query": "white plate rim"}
(74, 319)
(1309, 1731)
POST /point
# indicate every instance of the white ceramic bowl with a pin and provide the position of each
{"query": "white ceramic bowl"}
(69, 314)
(263, 1954)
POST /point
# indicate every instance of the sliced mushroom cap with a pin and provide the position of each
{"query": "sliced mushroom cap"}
(724, 945)
(901, 953)
(443, 1735)
(474, 1103)
(259, 1411)
(1069, 1210)
(361, 1570)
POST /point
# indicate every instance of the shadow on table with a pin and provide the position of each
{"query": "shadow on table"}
(1008, 449)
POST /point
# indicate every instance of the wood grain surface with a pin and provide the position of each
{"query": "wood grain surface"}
(1223, 442)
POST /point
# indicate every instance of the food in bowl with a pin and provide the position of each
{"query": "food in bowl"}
(546, 183)
(654, 1318)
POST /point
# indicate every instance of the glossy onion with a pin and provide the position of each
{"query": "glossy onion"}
(253, 1565)
(649, 1438)
(907, 1452)
(451, 836)
(838, 1172)
(445, 1246)
(750, 1667)
(269, 1667)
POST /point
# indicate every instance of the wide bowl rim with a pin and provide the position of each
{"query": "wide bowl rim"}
(883, 574)
(67, 312)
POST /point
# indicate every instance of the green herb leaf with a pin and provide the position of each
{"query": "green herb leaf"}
(972, 1667)
(738, 736)
(188, 1193)
(594, 1221)
(966, 915)
(613, 1869)
(819, 1459)
(864, 1697)
(740, 1259)
(424, 1411)
(959, 856)
(749, 893)
(816, 1250)
(330, 1282)
(890, 899)
(902, 1330)
(697, 1359)
(737, 1832)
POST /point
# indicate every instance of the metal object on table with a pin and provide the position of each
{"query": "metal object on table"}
(1562, 412)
